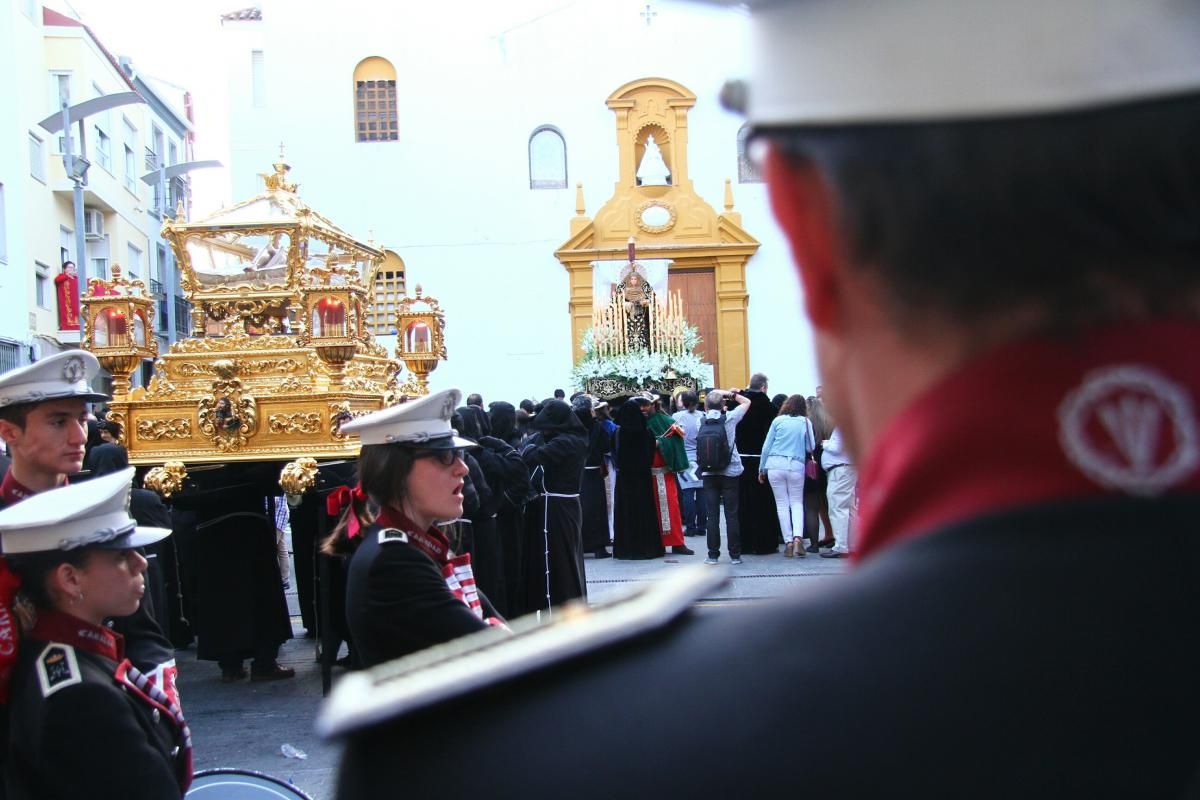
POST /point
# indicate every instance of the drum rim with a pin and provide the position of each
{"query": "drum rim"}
(203, 773)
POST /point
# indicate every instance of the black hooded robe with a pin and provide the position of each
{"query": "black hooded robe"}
(756, 502)
(592, 495)
(510, 517)
(555, 456)
(635, 529)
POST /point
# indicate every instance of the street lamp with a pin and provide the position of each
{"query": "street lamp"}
(76, 166)
(159, 178)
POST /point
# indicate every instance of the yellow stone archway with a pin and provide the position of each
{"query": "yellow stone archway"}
(691, 233)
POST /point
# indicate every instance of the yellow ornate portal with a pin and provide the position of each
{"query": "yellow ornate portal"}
(654, 200)
(280, 353)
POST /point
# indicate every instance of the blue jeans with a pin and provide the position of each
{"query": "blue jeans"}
(695, 518)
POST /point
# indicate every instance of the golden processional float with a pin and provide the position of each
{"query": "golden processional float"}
(279, 357)
(280, 353)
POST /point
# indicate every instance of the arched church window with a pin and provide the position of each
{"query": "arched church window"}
(387, 289)
(376, 116)
(547, 159)
(747, 172)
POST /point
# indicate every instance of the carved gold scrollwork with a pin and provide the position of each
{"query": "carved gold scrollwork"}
(298, 476)
(294, 423)
(290, 385)
(228, 418)
(119, 418)
(167, 479)
(155, 429)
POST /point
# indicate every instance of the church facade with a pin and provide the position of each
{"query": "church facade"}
(496, 157)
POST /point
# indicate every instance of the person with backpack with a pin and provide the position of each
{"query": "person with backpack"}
(720, 467)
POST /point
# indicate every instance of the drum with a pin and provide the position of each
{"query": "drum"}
(225, 783)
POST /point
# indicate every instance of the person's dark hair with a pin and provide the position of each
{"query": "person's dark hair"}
(1077, 218)
(778, 400)
(794, 406)
(104, 459)
(559, 394)
(16, 414)
(527, 405)
(475, 400)
(758, 382)
(34, 568)
(110, 427)
(690, 400)
(383, 471)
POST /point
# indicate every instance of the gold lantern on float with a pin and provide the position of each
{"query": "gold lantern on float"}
(118, 319)
(420, 336)
(332, 304)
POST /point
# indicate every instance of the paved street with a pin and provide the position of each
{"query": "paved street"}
(244, 725)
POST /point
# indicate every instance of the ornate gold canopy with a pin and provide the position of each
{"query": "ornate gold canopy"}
(280, 353)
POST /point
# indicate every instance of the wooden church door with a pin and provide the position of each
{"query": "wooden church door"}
(699, 291)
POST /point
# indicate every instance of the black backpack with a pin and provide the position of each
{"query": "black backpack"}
(713, 452)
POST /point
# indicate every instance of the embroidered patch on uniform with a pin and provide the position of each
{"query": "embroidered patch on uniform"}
(1130, 428)
(57, 668)
(389, 535)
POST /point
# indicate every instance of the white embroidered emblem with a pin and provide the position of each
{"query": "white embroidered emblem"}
(73, 370)
(1130, 428)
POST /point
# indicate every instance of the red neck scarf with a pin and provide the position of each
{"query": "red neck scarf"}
(432, 542)
(55, 626)
(1110, 412)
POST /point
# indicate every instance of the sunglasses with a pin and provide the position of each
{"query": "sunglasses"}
(444, 457)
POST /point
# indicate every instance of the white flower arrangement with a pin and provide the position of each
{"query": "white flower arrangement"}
(641, 366)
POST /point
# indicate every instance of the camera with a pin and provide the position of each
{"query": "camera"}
(730, 400)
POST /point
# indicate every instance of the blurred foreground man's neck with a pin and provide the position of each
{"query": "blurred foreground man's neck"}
(871, 368)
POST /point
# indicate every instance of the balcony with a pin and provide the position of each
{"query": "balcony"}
(152, 162)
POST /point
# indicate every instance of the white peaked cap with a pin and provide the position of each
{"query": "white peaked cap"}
(424, 422)
(90, 514)
(66, 374)
(835, 62)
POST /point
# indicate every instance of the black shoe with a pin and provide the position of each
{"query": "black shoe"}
(812, 548)
(275, 673)
(834, 554)
(683, 550)
(602, 554)
(234, 675)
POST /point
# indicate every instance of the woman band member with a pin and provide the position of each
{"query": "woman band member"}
(85, 721)
(406, 589)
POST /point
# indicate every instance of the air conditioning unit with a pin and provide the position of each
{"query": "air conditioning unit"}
(93, 223)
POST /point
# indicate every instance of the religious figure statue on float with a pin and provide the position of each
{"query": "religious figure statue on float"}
(66, 285)
(637, 295)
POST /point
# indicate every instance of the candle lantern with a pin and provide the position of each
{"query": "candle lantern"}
(421, 336)
(118, 316)
(333, 319)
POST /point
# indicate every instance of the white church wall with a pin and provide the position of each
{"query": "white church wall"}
(452, 196)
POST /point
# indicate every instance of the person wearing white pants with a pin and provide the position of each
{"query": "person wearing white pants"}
(843, 481)
(785, 452)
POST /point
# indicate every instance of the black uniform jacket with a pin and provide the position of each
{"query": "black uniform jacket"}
(398, 602)
(77, 732)
(1032, 653)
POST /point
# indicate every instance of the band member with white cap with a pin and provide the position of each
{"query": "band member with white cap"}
(985, 200)
(87, 722)
(405, 588)
(43, 417)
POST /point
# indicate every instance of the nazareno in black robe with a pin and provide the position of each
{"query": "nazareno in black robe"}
(510, 517)
(756, 501)
(592, 496)
(635, 531)
(555, 456)
(509, 481)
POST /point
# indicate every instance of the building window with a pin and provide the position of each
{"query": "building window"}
(66, 244)
(747, 172)
(103, 150)
(172, 154)
(37, 158)
(258, 80)
(60, 90)
(10, 355)
(547, 159)
(41, 278)
(376, 114)
(131, 149)
(133, 268)
(3, 228)
(387, 289)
